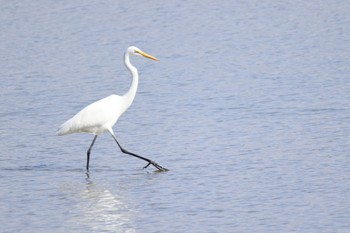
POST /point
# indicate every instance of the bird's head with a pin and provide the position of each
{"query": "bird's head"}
(138, 52)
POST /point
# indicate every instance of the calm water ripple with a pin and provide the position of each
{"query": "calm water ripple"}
(248, 108)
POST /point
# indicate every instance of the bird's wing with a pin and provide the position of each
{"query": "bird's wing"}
(94, 117)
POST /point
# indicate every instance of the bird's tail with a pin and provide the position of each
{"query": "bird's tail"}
(65, 128)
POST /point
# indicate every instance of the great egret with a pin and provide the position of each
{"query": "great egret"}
(101, 115)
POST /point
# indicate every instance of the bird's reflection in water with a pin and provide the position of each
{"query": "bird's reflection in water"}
(100, 210)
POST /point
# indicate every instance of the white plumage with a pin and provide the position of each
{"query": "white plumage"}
(101, 115)
(95, 118)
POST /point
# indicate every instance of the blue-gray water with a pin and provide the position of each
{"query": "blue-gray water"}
(248, 108)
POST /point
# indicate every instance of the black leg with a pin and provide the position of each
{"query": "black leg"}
(88, 153)
(160, 168)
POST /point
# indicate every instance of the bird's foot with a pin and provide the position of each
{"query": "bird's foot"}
(160, 168)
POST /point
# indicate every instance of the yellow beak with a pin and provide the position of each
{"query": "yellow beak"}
(147, 55)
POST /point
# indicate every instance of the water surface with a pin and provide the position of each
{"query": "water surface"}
(248, 108)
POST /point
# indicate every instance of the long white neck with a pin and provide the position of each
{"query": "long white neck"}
(130, 95)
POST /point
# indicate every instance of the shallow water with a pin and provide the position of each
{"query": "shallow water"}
(248, 108)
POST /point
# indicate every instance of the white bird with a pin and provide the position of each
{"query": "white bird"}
(101, 115)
